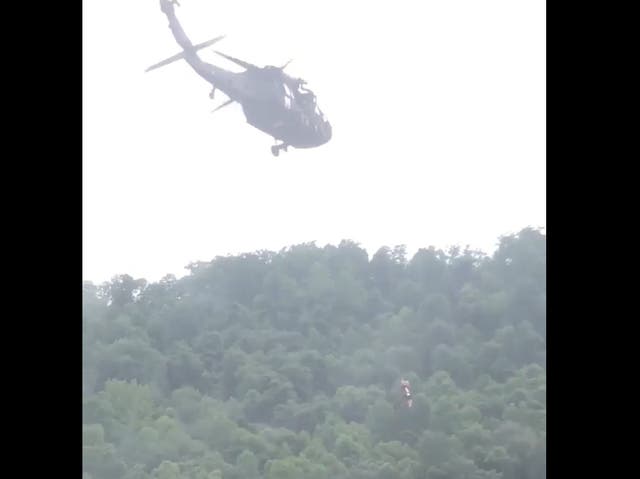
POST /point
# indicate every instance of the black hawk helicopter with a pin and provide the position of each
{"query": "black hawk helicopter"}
(272, 101)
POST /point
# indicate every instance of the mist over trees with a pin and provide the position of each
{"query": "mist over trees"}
(286, 365)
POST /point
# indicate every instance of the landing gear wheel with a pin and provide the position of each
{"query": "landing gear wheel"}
(275, 150)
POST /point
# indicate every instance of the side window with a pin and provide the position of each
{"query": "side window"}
(287, 97)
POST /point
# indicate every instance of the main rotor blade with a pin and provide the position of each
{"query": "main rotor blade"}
(180, 55)
(237, 61)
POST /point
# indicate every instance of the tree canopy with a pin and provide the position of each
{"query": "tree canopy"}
(283, 365)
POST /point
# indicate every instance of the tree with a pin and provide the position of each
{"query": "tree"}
(99, 458)
(167, 470)
(247, 465)
(287, 364)
(123, 289)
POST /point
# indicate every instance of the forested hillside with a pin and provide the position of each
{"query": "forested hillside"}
(287, 365)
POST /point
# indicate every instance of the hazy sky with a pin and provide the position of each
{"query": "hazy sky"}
(438, 115)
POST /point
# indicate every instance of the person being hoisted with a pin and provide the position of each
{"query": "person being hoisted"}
(406, 392)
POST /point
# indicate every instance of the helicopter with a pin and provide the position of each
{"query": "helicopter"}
(272, 101)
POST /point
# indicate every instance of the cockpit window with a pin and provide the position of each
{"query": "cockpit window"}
(287, 90)
(288, 97)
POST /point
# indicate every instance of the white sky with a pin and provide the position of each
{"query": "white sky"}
(438, 115)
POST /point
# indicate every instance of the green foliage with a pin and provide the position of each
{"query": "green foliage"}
(276, 365)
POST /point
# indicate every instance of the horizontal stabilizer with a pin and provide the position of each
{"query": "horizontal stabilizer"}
(180, 55)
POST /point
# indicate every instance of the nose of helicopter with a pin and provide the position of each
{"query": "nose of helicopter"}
(327, 130)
